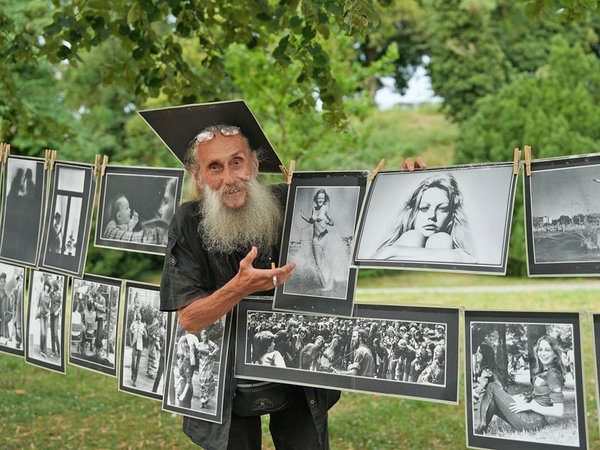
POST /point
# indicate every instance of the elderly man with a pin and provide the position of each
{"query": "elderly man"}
(220, 250)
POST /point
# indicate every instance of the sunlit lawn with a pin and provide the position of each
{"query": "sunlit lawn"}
(41, 409)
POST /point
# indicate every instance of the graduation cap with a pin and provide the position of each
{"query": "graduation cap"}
(177, 127)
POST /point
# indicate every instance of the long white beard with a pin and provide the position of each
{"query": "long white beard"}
(225, 230)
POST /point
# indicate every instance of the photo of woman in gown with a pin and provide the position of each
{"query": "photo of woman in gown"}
(207, 351)
(431, 225)
(321, 221)
(523, 412)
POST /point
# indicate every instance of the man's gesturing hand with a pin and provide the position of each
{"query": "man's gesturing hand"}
(253, 280)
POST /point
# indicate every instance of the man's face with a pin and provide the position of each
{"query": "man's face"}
(355, 341)
(226, 166)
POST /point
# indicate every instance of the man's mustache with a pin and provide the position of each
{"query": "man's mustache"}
(233, 188)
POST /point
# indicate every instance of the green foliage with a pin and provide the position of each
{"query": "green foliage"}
(477, 47)
(149, 32)
(556, 110)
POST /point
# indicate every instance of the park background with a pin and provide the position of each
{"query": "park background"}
(503, 74)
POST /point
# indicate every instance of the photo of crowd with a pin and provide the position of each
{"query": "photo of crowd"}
(143, 342)
(394, 350)
(11, 309)
(94, 323)
(194, 381)
(46, 318)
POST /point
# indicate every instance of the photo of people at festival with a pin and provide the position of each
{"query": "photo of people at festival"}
(24, 187)
(94, 319)
(45, 341)
(523, 383)
(193, 378)
(394, 350)
(137, 206)
(11, 308)
(143, 343)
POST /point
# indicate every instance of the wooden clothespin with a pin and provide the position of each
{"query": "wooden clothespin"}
(291, 171)
(516, 159)
(5, 153)
(2, 144)
(104, 164)
(97, 165)
(287, 174)
(375, 171)
(53, 154)
(284, 172)
(528, 160)
(46, 158)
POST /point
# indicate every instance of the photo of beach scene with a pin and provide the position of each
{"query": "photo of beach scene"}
(565, 214)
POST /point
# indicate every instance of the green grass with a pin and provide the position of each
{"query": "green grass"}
(41, 409)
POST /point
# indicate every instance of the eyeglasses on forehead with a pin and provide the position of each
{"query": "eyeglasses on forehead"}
(210, 132)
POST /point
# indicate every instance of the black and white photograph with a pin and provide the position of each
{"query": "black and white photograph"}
(24, 192)
(448, 219)
(94, 323)
(12, 289)
(596, 325)
(196, 375)
(143, 342)
(524, 380)
(45, 344)
(391, 350)
(137, 205)
(562, 210)
(68, 219)
(321, 216)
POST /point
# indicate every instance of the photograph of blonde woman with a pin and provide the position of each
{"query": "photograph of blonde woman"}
(438, 219)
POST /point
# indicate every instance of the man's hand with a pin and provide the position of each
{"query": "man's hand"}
(253, 280)
(411, 164)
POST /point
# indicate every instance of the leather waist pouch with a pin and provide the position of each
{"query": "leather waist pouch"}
(256, 399)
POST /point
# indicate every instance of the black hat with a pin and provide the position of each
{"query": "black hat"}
(178, 126)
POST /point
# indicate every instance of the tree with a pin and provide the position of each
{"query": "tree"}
(149, 32)
(478, 46)
(556, 109)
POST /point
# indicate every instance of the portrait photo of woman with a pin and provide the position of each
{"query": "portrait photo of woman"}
(433, 218)
(454, 218)
(520, 388)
